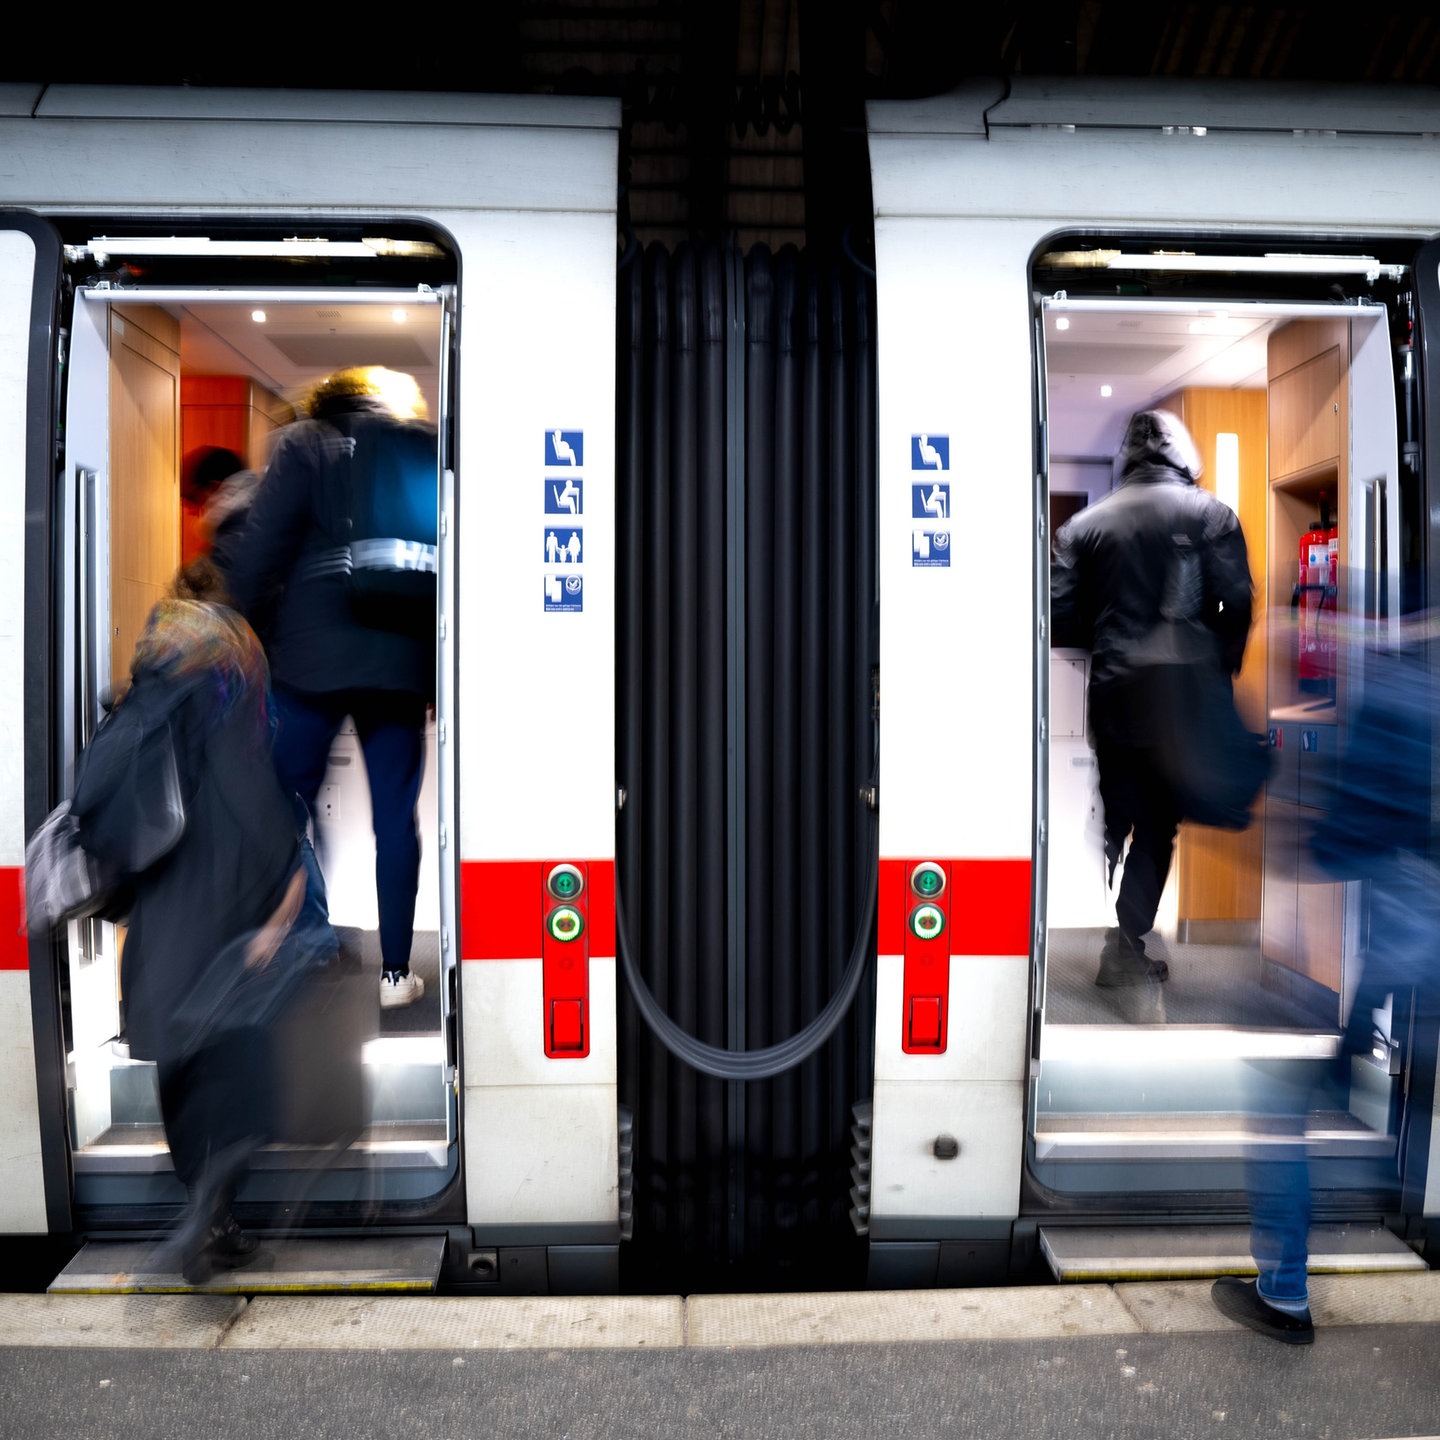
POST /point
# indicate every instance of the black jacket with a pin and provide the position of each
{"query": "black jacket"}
(299, 519)
(196, 908)
(1156, 573)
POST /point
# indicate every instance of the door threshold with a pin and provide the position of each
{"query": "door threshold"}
(385, 1264)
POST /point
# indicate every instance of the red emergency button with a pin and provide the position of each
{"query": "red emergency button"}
(567, 1025)
(925, 1020)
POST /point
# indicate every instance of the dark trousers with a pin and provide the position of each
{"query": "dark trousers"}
(219, 1103)
(1138, 803)
(391, 727)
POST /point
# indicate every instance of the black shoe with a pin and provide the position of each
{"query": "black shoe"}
(1123, 962)
(231, 1246)
(1240, 1300)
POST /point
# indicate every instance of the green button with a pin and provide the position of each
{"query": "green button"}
(565, 923)
(927, 921)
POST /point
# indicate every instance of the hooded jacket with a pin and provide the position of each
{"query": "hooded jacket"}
(1156, 573)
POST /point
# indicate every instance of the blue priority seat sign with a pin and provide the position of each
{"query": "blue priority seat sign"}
(564, 447)
(930, 452)
(930, 501)
(564, 495)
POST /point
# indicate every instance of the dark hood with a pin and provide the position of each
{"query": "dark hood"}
(1155, 441)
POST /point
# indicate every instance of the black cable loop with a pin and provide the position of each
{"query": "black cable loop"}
(774, 1059)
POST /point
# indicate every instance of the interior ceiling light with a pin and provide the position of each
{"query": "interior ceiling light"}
(1062, 322)
(1273, 264)
(106, 247)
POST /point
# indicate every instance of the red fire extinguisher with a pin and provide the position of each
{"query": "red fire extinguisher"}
(1315, 595)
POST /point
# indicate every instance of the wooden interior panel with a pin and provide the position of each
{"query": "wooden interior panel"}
(1305, 416)
(144, 471)
(1219, 872)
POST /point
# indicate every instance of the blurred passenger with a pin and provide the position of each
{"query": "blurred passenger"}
(216, 488)
(201, 973)
(1120, 586)
(329, 662)
(1379, 828)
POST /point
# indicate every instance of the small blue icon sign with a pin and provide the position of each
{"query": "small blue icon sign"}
(564, 495)
(929, 452)
(930, 549)
(565, 447)
(564, 593)
(930, 502)
(564, 545)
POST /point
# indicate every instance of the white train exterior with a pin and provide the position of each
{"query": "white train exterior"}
(970, 190)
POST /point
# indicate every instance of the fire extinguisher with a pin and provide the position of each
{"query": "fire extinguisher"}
(1315, 596)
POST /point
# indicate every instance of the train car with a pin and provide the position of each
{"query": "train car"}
(673, 491)
(178, 268)
(1050, 258)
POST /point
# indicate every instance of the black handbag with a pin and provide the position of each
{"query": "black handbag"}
(1212, 763)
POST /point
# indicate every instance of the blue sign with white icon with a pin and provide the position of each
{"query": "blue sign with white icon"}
(564, 495)
(930, 549)
(929, 452)
(564, 592)
(564, 447)
(930, 502)
(564, 545)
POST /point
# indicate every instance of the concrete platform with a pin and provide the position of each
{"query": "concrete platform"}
(371, 1323)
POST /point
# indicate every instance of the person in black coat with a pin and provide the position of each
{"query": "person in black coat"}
(207, 921)
(1154, 575)
(328, 662)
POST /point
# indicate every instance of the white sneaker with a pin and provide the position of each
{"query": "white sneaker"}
(397, 989)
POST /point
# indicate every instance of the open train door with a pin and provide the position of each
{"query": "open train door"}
(1419, 531)
(370, 1123)
(1302, 399)
(35, 1196)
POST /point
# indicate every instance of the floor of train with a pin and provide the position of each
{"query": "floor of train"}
(1209, 984)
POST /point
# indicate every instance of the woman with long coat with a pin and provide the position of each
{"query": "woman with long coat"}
(200, 969)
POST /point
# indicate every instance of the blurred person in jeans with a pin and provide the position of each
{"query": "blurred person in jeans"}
(1378, 829)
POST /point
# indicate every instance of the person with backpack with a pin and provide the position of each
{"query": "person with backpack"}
(344, 525)
(213, 940)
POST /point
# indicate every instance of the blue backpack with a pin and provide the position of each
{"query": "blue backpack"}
(393, 522)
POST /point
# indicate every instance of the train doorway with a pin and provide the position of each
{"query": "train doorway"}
(178, 348)
(1303, 411)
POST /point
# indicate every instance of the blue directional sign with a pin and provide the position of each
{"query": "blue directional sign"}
(929, 452)
(564, 592)
(564, 495)
(930, 502)
(930, 549)
(564, 447)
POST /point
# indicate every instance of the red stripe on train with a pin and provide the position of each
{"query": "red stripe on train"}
(501, 907)
(14, 942)
(989, 906)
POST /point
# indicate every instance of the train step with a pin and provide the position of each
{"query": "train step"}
(1196, 1136)
(406, 1264)
(1089, 1253)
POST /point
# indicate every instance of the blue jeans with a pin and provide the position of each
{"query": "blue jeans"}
(1404, 933)
(391, 727)
(1277, 1176)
